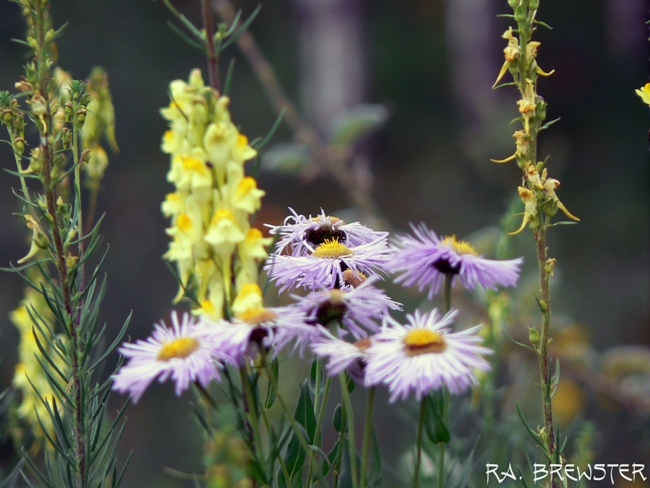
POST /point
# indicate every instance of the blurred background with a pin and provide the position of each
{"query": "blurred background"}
(418, 75)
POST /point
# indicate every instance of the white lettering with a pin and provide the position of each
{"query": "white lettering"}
(634, 472)
(509, 474)
(600, 467)
(539, 468)
(584, 473)
(569, 469)
(556, 469)
(491, 469)
(611, 471)
(624, 468)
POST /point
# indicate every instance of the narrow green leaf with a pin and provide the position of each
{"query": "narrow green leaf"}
(228, 80)
(522, 478)
(260, 144)
(338, 416)
(270, 392)
(435, 426)
(548, 124)
(235, 35)
(185, 37)
(519, 343)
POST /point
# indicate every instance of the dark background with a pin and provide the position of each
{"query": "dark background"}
(432, 64)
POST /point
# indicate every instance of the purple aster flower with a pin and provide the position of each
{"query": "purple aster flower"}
(300, 235)
(424, 355)
(358, 309)
(324, 267)
(343, 356)
(425, 260)
(186, 353)
(259, 326)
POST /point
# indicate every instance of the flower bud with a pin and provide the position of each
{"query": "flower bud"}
(533, 336)
(7, 116)
(71, 261)
(521, 14)
(533, 4)
(514, 3)
(19, 145)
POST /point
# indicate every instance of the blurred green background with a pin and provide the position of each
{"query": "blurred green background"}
(431, 63)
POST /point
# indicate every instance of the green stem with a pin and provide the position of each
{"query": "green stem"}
(278, 455)
(347, 405)
(441, 466)
(319, 423)
(339, 453)
(449, 278)
(294, 425)
(542, 257)
(367, 430)
(254, 418)
(418, 459)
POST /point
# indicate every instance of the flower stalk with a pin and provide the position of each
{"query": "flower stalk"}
(538, 192)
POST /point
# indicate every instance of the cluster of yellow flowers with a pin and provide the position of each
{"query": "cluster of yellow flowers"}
(29, 369)
(216, 250)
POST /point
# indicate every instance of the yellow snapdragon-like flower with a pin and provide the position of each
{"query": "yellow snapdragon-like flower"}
(644, 93)
(511, 53)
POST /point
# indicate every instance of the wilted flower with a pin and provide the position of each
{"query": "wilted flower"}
(425, 260)
(424, 355)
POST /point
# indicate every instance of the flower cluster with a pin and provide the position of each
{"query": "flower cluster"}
(213, 201)
(339, 318)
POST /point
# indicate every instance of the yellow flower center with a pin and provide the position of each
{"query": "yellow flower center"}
(222, 214)
(423, 341)
(245, 186)
(461, 247)
(184, 223)
(242, 141)
(193, 164)
(208, 307)
(179, 348)
(331, 249)
(256, 316)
